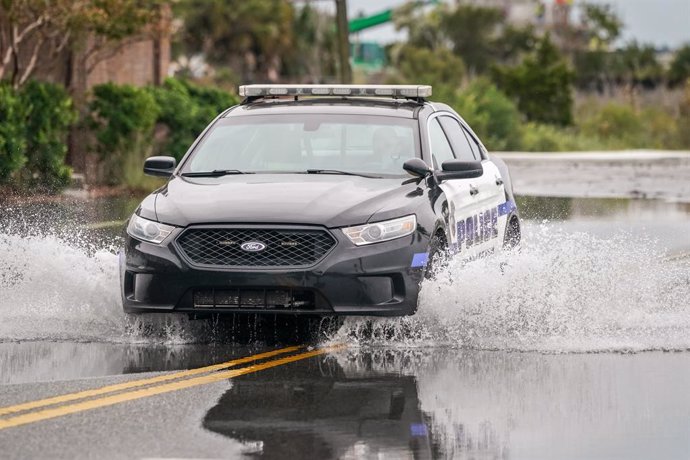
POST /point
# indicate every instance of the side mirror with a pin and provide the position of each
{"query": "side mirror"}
(458, 169)
(417, 167)
(160, 166)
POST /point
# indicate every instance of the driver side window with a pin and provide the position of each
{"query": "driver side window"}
(440, 148)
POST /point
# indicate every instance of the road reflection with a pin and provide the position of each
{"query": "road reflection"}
(414, 403)
(462, 404)
(314, 409)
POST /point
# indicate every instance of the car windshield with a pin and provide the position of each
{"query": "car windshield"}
(323, 143)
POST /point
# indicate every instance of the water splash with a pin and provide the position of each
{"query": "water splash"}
(561, 292)
(55, 289)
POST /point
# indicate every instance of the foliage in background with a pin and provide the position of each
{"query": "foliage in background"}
(471, 30)
(601, 26)
(41, 30)
(541, 85)
(441, 68)
(34, 122)
(251, 36)
(314, 50)
(12, 132)
(122, 118)
(679, 72)
(185, 109)
(49, 116)
(490, 113)
(620, 126)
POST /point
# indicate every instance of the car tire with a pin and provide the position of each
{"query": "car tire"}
(512, 236)
(438, 256)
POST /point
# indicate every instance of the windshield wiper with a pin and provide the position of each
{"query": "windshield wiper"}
(214, 173)
(337, 171)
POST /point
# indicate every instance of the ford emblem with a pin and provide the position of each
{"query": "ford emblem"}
(253, 246)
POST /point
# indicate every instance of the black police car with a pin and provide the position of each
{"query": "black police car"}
(317, 200)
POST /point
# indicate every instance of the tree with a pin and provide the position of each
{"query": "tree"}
(593, 59)
(314, 54)
(541, 85)
(26, 27)
(513, 42)
(441, 68)
(40, 30)
(679, 72)
(601, 24)
(423, 28)
(473, 30)
(251, 36)
(492, 115)
(637, 65)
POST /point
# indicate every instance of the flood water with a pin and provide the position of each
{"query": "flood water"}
(573, 347)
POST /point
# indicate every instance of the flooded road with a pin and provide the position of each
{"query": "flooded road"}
(575, 347)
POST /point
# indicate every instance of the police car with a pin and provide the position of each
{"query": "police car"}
(316, 200)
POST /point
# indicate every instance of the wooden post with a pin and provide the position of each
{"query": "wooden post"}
(343, 41)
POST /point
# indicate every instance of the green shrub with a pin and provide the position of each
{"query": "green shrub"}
(679, 71)
(549, 138)
(543, 138)
(490, 113)
(661, 129)
(50, 115)
(12, 132)
(122, 118)
(439, 68)
(186, 109)
(616, 122)
(684, 118)
(541, 85)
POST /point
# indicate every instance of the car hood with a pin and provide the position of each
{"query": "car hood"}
(329, 200)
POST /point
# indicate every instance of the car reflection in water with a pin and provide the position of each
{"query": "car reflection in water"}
(313, 409)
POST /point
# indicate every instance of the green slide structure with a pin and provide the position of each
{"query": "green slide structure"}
(371, 56)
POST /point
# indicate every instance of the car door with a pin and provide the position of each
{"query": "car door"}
(460, 199)
(477, 224)
(492, 193)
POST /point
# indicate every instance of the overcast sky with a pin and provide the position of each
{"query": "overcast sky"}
(661, 22)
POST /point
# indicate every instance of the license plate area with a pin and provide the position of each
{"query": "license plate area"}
(254, 298)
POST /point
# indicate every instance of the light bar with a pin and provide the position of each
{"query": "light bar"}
(405, 91)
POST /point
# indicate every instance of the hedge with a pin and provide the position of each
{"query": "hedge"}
(34, 124)
(186, 109)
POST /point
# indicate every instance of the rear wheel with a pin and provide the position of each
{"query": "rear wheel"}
(512, 236)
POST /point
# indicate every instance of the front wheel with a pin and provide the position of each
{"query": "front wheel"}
(438, 256)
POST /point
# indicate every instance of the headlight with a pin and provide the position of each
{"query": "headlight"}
(148, 230)
(381, 231)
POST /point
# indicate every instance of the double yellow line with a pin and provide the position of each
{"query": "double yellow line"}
(78, 402)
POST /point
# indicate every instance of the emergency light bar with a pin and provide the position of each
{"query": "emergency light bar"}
(405, 91)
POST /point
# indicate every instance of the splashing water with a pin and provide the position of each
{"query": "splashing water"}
(52, 289)
(561, 292)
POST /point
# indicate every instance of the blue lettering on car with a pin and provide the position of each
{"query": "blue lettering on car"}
(481, 227)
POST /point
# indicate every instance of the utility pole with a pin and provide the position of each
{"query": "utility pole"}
(343, 41)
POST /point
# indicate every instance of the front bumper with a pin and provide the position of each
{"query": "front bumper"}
(380, 279)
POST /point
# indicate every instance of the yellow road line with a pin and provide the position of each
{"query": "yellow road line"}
(60, 411)
(137, 383)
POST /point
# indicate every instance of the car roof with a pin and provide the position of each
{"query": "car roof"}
(401, 108)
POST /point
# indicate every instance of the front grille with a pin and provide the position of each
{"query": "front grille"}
(282, 247)
(255, 298)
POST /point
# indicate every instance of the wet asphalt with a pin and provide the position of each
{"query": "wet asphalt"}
(359, 401)
(353, 403)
